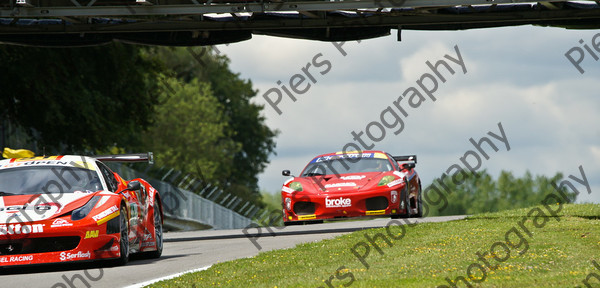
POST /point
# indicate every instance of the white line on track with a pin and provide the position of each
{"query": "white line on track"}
(140, 285)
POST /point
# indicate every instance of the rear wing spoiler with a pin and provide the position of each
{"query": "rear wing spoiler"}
(136, 157)
(406, 158)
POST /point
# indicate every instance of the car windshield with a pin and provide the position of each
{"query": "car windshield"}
(343, 166)
(47, 179)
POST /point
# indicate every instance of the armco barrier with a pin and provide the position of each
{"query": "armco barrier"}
(185, 210)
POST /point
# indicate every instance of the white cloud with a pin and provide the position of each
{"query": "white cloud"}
(595, 150)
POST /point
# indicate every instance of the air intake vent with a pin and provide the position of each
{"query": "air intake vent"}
(377, 203)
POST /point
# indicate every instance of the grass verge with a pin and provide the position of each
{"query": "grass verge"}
(516, 248)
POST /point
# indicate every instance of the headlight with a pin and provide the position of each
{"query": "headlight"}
(297, 186)
(385, 180)
(288, 204)
(84, 210)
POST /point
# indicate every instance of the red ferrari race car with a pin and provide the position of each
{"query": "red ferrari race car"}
(74, 208)
(353, 184)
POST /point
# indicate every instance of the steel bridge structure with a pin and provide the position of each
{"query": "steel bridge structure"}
(211, 22)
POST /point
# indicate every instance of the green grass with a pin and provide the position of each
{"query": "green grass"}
(559, 254)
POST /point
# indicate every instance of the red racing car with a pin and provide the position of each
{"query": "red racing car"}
(352, 184)
(74, 208)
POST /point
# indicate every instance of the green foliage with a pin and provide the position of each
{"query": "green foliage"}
(182, 103)
(245, 125)
(477, 192)
(76, 99)
(273, 205)
(190, 133)
(245, 119)
(272, 200)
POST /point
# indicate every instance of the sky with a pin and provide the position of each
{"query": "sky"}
(516, 78)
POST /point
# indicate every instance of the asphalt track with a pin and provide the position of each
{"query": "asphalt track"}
(184, 251)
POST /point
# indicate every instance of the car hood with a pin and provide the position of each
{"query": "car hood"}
(344, 183)
(31, 208)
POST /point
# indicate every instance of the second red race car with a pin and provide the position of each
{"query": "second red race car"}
(352, 184)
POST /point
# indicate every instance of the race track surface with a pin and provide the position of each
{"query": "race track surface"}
(184, 251)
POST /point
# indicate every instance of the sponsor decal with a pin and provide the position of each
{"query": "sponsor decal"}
(16, 258)
(348, 152)
(395, 182)
(147, 236)
(338, 203)
(36, 158)
(148, 244)
(92, 234)
(16, 229)
(287, 189)
(11, 209)
(151, 195)
(107, 214)
(399, 174)
(66, 256)
(380, 156)
(375, 212)
(33, 163)
(353, 177)
(394, 196)
(343, 184)
(307, 217)
(343, 156)
(61, 223)
(114, 248)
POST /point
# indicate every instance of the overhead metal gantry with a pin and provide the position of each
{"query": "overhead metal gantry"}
(193, 22)
(96, 8)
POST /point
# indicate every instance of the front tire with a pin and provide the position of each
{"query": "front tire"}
(123, 238)
(158, 234)
(419, 204)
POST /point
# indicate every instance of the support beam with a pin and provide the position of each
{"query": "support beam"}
(192, 9)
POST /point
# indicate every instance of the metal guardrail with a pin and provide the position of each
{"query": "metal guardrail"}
(185, 210)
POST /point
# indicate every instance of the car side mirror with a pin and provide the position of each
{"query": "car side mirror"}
(134, 185)
(408, 165)
(286, 173)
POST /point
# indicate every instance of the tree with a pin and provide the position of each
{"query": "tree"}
(255, 137)
(85, 100)
(477, 192)
(246, 126)
(190, 132)
(75, 99)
